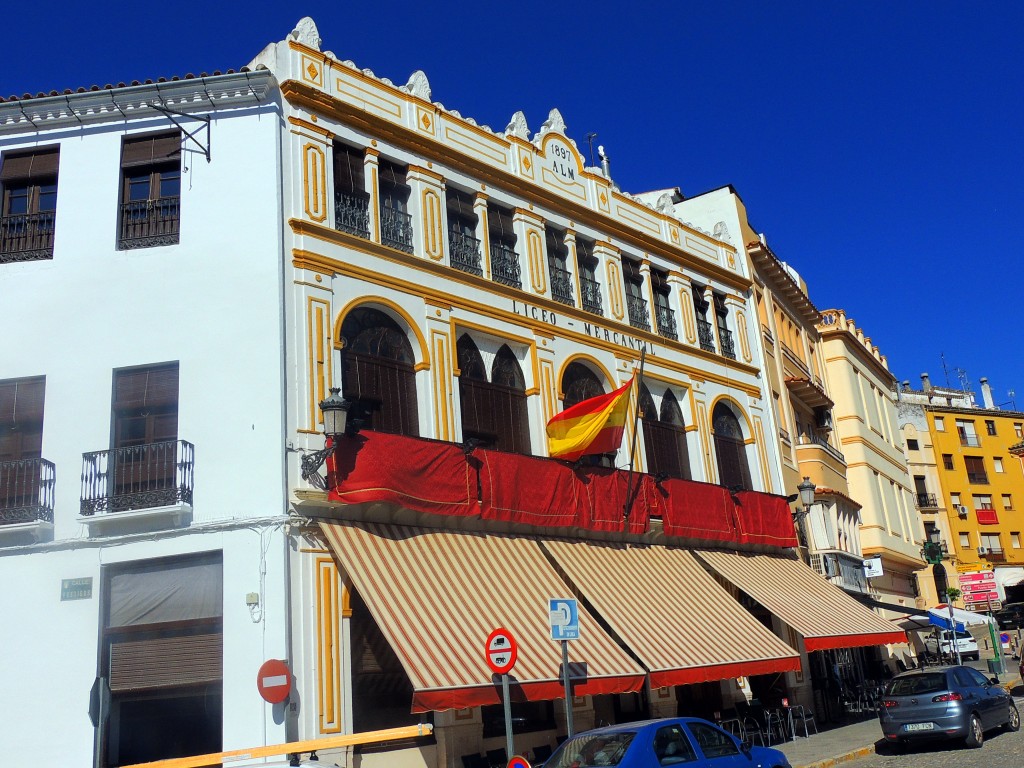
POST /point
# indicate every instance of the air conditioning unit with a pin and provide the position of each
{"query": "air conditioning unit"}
(982, 551)
(961, 510)
(823, 418)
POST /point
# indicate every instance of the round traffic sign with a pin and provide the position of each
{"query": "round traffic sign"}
(1004, 638)
(501, 651)
(274, 681)
(517, 761)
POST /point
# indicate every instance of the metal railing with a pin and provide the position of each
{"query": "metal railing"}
(926, 500)
(725, 338)
(821, 442)
(352, 213)
(464, 252)
(396, 229)
(639, 315)
(970, 441)
(590, 295)
(149, 223)
(137, 477)
(26, 237)
(993, 553)
(705, 335)
(666, 322)
(561, 285)
(977, 478)
(26, 491)
(505, 265)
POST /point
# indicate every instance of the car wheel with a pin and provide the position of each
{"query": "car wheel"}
(1013, 721)
(975, 733)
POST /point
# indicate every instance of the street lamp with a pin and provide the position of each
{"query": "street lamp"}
(335, 410)
(806, 489)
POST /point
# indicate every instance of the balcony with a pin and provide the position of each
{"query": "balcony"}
(705, 335)
(725, 338)
(977, 478)
(666, 322)
(561, 285)
(464, 252)
(823, 463)
(993, 554)
(926, 501)
(26, 237)
(352, 213)
(590, 295)
(155, 476)
(149, 223)
(639, 316)
(26, 491)
(396, 229)
(970, 441)
(505, 265)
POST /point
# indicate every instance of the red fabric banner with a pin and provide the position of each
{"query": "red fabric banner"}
(987, 517)
(698, 511)
(605, 490)
(424, 475)
(525, 489)
(764, 518)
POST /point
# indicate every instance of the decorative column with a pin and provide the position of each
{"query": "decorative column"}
(429, 237)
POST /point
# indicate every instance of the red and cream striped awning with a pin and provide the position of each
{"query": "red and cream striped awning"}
(823, 614)
(436, 595)
(671, 613)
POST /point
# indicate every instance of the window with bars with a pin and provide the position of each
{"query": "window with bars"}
(144, 429)
(28, 186)
(502, 241)
(378, 373)
(636, 304)
(351, 200)
(663, 314)
(150, 191)
(463, 244)
(558, 265)
(395, 220)
(705, 333)
(21, 441)
(976, 473)
(724, 334)
(586, 264)
(162, 658)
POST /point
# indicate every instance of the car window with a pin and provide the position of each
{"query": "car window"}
(912, 685)
(587, 750)
(963, 677)
(671, 746)
(712, 741)
(976, 676)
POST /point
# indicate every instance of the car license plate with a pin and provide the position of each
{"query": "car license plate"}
(919, 726)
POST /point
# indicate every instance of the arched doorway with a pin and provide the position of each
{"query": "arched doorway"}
(730, 449)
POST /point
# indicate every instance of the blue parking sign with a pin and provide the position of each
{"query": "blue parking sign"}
(564, 614)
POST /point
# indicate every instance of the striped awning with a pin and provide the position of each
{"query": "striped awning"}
(671, 613)
(436, 595)
(823, 614)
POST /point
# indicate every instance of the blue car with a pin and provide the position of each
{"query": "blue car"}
(669, 741)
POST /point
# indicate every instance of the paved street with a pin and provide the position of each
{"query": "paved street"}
(1000, 750)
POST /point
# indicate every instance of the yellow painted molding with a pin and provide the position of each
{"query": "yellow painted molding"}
(394, 307)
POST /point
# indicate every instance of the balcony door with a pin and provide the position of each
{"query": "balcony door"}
(493, 410)
(664, 435)
(730, 449)
(144, 434)
(21, 441)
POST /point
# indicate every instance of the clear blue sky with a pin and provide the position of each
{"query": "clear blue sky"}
(878, 145)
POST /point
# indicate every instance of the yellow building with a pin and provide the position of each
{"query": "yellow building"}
(982, 485)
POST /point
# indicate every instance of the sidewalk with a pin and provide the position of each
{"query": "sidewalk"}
(848, 742)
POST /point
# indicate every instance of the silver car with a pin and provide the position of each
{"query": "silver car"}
(945, 703)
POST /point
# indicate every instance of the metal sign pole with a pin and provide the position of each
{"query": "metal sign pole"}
(997, 646)
(955, 646)
(568, 687)
(508, 716)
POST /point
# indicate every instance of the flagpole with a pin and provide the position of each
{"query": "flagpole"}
(632, 449)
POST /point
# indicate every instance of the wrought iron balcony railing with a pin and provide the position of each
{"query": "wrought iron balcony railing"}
(26, 491)
(149, 223)
(590, 295)
(505, 265)
(138, 477)
(926, 501)
(725, 338)
(992, 553)
(26, 237)
(666, 322)
(977, 478)
(464, 251)
(705, 335)
(823, 443)
(396, 229)
(561, 285)
(639, 316)
(352, 213)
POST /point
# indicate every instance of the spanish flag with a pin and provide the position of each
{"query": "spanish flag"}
(591, 426)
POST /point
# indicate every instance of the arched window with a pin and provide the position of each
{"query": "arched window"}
(733, 470)
(579, 383)
(664, 436)
(378, 372)
(493, 411)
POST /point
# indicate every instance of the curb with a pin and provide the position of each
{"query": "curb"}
(829, 762)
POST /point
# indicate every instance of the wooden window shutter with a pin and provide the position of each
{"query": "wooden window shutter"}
(153, 149)
(30, 166)
(166, 662)
(21, 401)
(348, 169)
(150, 387)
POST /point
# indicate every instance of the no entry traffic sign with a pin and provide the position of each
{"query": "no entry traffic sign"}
(501, 651)
(274, 681)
